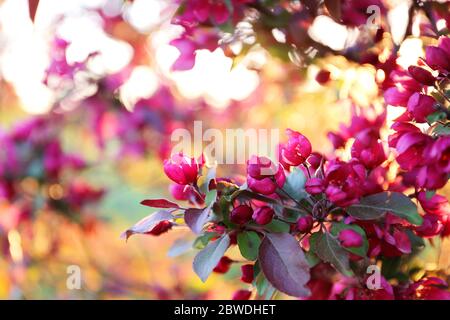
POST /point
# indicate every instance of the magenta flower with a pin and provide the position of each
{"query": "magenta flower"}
(368, 149)
(304, 224)
(315, 186)
(431, 226)
(430, 288)
(219, 11)
(429, 177)
(439, 153)
(204, 9)
(437, 58)
(297, 149)
(188, 43)
(344, 182)
(405, 86)
(263, 215)
(420, 107)
(435, 204)
(182, 169)
(410, 147)
(263, 176)
(350, 238)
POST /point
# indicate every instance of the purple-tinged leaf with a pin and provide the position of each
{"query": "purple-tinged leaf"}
(284, 264)
(148, 223)
(328, 249)
(159, 203)
(207, 259)
(375, 206)
(196, 218)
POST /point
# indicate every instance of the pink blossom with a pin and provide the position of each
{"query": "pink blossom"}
(181, 169)
(263, 215)
(263, 176)
(420, 106)
(350, 238)
(297, 149)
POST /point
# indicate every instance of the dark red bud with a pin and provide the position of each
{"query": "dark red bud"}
(224, 265)
(304, 224)
(247, 273)
(241, 214)
(263, 215)
(421, 75)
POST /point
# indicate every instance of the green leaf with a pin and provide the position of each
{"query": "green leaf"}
(442, 130)
(211, 197)
(284, 264)
(436, 116)
(204, 239)
(359, 251)
(328, 249)
(375, 206)
(207, 259)
(295, 184)
(261, 284)
(277, 226)
(249, 242)
(312, 258)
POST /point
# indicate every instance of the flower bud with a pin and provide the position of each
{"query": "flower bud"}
(297, 149)
(323, 76)
(263, 215)
(181, 169)
(304, 224)
(315, 186)
(437, 58)
(431, 226)
(421, 75)
(315, 159)
(247, 273)
(178, 191)
(242, 295)
(241, 214)
(263, 176)
(224, 265)
(350, 238)
(420, 106)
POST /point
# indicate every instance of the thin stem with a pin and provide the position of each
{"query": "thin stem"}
(290, 197)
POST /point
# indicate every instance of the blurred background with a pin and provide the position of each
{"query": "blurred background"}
(88, 99)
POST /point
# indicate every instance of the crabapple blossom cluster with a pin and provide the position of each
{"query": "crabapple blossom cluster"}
(309, 224)
(37, 174)
(423, 155)
(346, 215)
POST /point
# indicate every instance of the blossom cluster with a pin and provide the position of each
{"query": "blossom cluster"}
(36, 173)
(345, 214)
